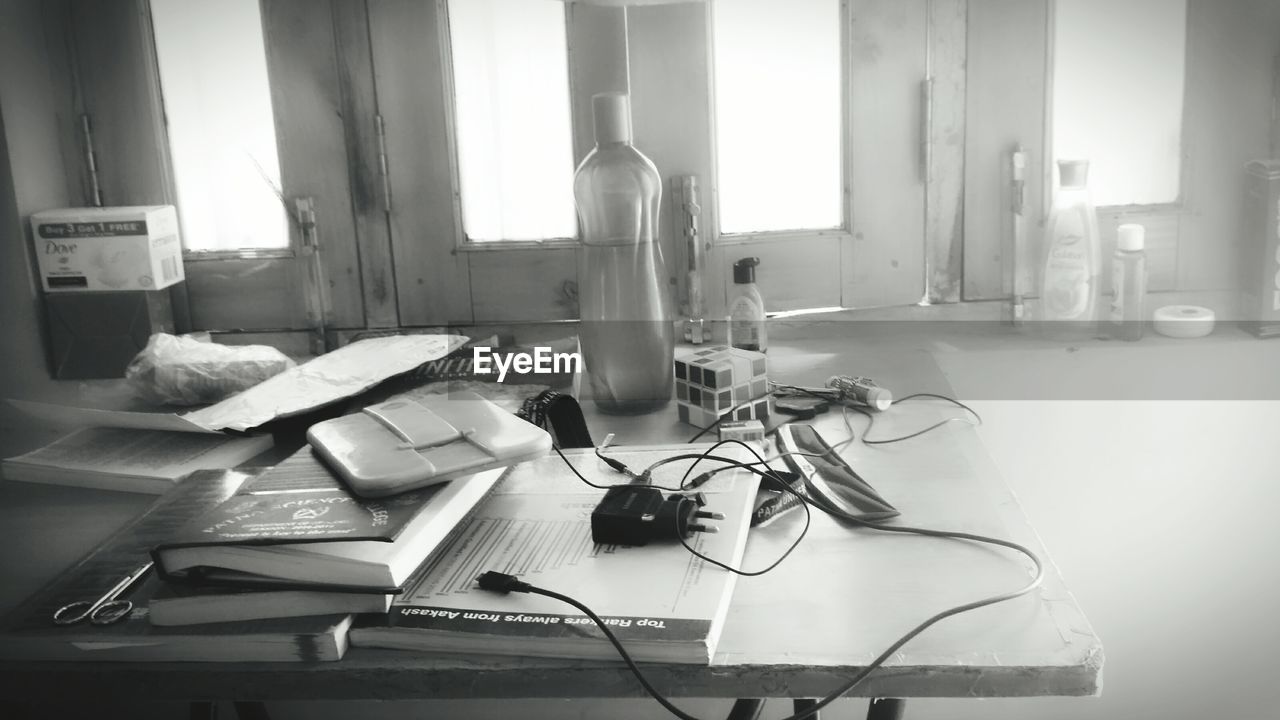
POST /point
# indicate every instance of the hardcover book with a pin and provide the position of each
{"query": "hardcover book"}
(28, 633)
(185, 604)
(296, 526)
(664, 604)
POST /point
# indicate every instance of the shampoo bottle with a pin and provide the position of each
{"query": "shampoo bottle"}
(1070, 282)
(746, 309)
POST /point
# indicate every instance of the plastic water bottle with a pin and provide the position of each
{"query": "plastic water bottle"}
(627, 332)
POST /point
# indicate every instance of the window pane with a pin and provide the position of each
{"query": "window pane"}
(778, 119)
(1117, 95)
(511, 94)
(222, 135)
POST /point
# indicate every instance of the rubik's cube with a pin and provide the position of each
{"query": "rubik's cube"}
(713, 381)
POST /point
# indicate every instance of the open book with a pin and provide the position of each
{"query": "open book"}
(145, 461)
(664, 604)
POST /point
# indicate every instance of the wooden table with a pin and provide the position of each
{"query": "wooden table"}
(797, 632)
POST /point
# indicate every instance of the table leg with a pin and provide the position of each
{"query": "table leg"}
(746, 709)
(800, 705)
(886, 709)
(253, 710)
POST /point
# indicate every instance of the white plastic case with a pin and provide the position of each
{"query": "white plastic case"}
(401, 445)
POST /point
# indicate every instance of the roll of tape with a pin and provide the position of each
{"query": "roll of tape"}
(1183, 321)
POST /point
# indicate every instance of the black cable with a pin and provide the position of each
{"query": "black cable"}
(611, 462)
(702, 479)
(699, 457)
(503, 583)
(872, 420)
(838, 397)
(689, 456)
(581, 477)
(510, 584)
(841, 691)
(808, 515)
(618, 465)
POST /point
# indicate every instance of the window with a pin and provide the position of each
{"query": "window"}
(222, 140)
(1127, 58)
(514, 136)
(778, 116)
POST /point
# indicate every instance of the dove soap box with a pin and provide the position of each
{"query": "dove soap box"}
(107, 249)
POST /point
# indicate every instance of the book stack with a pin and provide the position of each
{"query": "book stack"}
(294, 541)
(262, 567)
(276, 565)
(28, 633)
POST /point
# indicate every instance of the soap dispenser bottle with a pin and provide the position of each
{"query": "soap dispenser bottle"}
(746, 309)
(1069, 291)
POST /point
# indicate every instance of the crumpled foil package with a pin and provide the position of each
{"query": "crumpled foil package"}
(175, 370)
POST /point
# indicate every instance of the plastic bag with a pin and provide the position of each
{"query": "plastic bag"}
(185, 371)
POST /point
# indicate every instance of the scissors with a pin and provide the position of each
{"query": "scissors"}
(106, 609)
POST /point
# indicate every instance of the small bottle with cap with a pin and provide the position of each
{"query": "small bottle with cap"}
(1128, 283)
(862, 391)
(746, 309)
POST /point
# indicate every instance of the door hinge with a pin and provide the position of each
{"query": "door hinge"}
(305, 212)
(315, 282)
(91, 160)
(688, 211)
(926, 128)
(382, 163)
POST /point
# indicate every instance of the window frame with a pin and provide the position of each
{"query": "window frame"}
(289, 252)
(1164, 222)
(1128, 211)
(302, 287)
(462, 242)
(410, 263)
(844, 231)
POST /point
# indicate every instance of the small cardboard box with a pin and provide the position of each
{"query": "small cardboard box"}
(102, 249)
(1260, 284)
(96, 335)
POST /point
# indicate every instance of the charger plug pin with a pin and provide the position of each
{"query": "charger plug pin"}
(709, 515)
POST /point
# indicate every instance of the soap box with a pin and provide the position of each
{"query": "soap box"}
(113, 248)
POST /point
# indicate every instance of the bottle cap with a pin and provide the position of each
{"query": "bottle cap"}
(612, 113)
(1130, 237)
(744, 271)
(1073, 173)
(879, 398)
